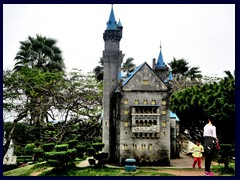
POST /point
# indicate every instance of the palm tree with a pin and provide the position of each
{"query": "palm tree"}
(128, 66)
(194, 73)
(179, 66)
(40, 53)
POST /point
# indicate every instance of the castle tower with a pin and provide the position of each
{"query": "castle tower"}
(112, 59)
(160, 68)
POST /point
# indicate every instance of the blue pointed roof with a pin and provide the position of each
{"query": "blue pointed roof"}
(160, 62)
(111, 24)
(119, 24)
(132, 74)
(173, 115)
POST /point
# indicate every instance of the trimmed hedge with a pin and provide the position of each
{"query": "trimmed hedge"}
(98, 146)
(28, 150)
(72, 144)
(48, 147)
(61, 147)
(60, 159)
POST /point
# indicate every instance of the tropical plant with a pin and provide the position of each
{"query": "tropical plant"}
(39, 53)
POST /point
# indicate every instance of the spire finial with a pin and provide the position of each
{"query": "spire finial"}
(160, 45)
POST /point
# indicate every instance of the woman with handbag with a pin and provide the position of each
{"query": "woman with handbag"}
(210, 139)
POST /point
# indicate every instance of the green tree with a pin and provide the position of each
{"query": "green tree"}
(179, 66)
(183, 75)
(28, 95)
(39, 53)
(128, 66)
(195, 103)
(67, 107)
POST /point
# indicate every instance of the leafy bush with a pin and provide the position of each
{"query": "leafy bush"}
(61, 159)
(98, 146)
(38, 154)
(92, 162)
(28, 150)
(81, 149)
(72, 143)
(23, 159)
(224, 154)
(102, 158)
(48, 147)
(91, 151)
(61, 147)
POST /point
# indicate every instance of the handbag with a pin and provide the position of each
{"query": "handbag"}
(217, 145)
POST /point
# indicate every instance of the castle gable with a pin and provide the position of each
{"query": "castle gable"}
(144, 79)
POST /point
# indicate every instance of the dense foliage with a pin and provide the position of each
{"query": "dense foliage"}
(51, 106)
(194, 104)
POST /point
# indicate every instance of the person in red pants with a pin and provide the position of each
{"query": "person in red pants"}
(197, 150)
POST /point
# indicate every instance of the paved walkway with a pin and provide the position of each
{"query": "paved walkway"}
(184, 161)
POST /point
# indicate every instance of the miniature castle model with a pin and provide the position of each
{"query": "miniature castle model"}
(137, 122)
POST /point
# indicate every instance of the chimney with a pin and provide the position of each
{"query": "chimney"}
(153, 63)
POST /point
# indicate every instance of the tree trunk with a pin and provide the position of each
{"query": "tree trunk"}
(8, 140)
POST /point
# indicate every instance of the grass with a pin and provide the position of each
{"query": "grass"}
(42, 169)
(45, 170)
(27, 170)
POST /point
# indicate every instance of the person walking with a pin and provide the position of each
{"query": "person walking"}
(210, 138)
(197, 154)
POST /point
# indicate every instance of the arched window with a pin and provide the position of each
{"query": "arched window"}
(164, 102)
(150, 147)
(150, 122)
(143, 146)
(136, 101)
(126, 110)
(153, 101)
(137, 122)
(145, 101)
(145, 122)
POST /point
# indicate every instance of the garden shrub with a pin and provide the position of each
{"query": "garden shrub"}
(98, 146)
(72, 143)
(38, 154)
(61, 156)
(92, 162)
(91, 151)
(48, 147)
(61, 147)
(81, 149)
(224, 154)
(28, 150)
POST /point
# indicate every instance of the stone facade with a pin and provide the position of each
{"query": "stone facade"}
(136, 114)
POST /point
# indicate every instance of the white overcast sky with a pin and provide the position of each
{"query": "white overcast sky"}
(203, 34)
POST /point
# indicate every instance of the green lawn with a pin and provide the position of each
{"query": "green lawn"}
(42, 169)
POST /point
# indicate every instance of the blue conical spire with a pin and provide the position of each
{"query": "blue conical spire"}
(111, 24)
(119, 23)
(160, 62)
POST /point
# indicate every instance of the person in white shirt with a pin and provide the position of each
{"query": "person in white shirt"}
(210, 138)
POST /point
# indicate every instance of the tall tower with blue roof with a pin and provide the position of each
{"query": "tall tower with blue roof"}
(112, 59)
(161, 68)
